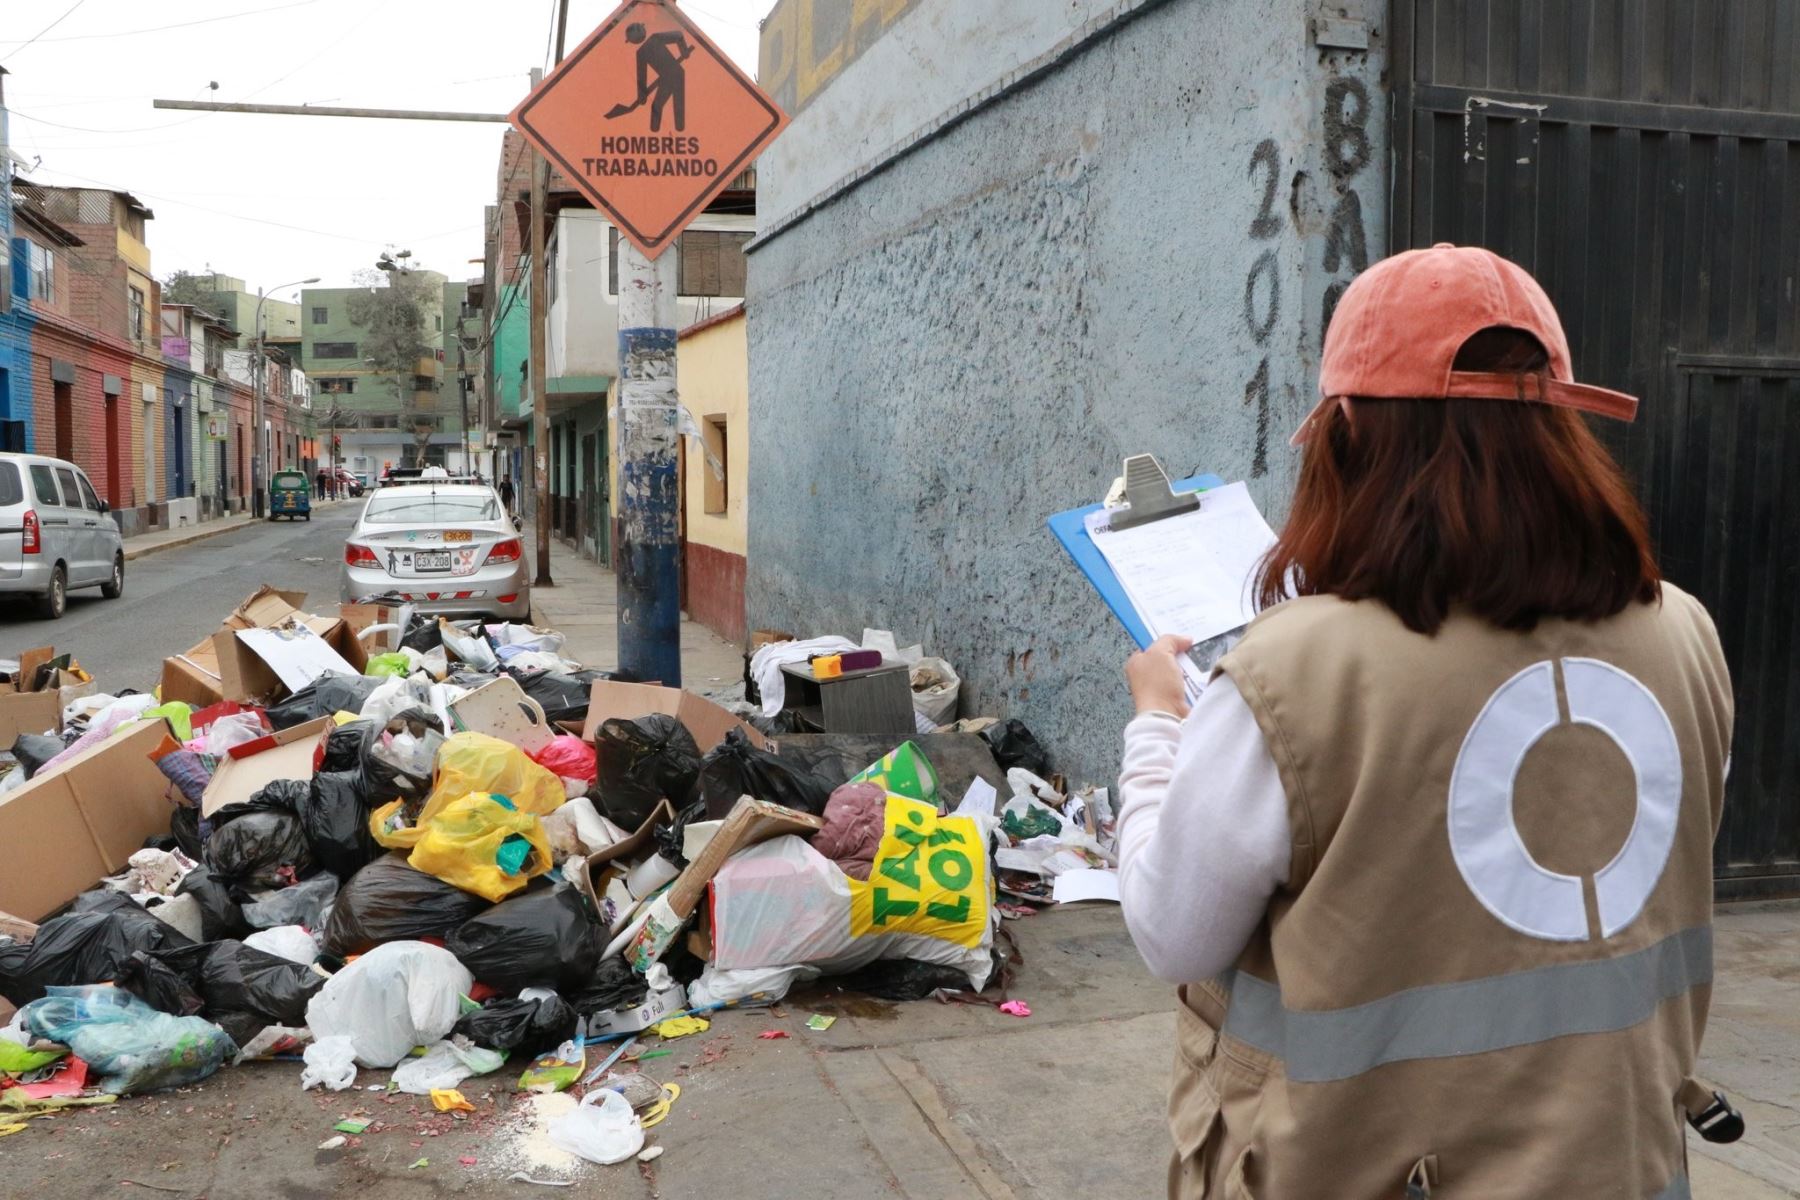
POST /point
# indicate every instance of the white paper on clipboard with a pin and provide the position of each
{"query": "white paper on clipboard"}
(1190, 574)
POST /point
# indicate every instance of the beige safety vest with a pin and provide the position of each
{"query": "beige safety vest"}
(1488, 972)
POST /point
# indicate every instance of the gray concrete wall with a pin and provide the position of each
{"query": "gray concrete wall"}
(1126, 244)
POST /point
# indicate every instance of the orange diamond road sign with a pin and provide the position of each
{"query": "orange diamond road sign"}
(650, 120)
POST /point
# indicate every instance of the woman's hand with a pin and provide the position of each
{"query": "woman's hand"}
(1155, 676)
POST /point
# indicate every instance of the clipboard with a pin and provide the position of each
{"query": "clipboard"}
(1150, 497)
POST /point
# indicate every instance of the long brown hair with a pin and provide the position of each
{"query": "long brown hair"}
(1513, 510)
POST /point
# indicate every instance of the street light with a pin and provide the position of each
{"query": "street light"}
(258, 467)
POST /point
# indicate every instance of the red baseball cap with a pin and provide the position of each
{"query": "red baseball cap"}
(1397, 330)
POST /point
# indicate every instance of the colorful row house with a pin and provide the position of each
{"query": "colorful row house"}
(143, 396)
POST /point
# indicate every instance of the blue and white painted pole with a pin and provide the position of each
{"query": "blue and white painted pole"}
(649, 493)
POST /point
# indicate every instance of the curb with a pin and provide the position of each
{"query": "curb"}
(199, 535)
(203, 532)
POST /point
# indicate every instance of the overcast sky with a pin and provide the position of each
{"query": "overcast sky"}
(277, 198)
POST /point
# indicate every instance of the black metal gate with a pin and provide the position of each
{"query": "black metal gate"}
(1642, 158)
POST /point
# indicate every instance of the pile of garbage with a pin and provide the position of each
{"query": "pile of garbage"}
(376, 841)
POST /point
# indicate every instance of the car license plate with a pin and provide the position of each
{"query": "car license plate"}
(458, 535)
(431, 560)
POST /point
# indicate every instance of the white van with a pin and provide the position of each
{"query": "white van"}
(55, 534)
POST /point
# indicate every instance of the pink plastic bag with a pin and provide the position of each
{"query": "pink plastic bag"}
(569, 757)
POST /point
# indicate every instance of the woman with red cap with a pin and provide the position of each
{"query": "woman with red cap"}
(1431, 856)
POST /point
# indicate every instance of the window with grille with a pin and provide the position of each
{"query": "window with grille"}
(136, 312)
(321, 316)
(334, 349)
(43, 273)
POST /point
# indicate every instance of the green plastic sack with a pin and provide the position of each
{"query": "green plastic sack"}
(393, 665)
(17, 1060)
(904, 771)
(179, 715)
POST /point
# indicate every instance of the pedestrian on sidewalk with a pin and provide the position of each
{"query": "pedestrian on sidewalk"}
(324, 484)
(1431, 855)
(506, 493)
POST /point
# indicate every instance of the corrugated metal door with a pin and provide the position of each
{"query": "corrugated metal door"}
(1643, 159)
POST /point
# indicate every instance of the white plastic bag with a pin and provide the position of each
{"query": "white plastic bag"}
(784, 903)
(602, 1130)
(285, 941)
(936, 686)
(330, 1063)
(724, 987)
(469, 647)
(233, 730)
(445, 1065)
(397, 996)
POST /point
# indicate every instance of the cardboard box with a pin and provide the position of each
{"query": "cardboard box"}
(705, 720)
(65, 829)
(362, 616)
(28, 712)
(223, 668)
(293, 755)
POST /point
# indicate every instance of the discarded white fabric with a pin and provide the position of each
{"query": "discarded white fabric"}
(766, 664)
(1203, 834)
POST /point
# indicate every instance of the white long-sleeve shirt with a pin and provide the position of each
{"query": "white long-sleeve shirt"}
(1203, 834)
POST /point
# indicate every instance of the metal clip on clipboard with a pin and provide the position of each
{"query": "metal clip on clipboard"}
(1149, 496)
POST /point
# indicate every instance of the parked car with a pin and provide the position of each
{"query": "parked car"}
(348, 484)
(447, 548)
(55, 534)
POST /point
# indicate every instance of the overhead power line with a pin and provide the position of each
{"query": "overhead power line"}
(52, 25)
(115, 33)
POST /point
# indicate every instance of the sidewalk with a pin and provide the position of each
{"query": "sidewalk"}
(170, 539)
(584, 606)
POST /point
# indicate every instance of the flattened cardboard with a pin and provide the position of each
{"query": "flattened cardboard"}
(81, 820)
(705, 720)
(237, 779)
(28, 712)
(30, 663)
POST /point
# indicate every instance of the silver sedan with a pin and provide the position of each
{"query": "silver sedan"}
(449, 549)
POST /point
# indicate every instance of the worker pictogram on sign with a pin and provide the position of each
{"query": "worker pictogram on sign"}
(650, 120)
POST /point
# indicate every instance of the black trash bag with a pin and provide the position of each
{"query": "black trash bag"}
(221, 913)
(1013, 746)
(303, 904)
(234, 978)
(669, 836)
(80, 948)
(159, 985)
(330, 693)
(423, 635)
(736, 768)
(335, 819)
(351, 748)
(613, 985)
(546, 937)
(389, 901)
(33, 750)
(903, 979)
(532, 1026)
(261, 849)
(280, 796)
(639, 763)
(184, 827)
(564, 697)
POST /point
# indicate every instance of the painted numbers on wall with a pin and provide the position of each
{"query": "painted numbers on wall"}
(1262, 294)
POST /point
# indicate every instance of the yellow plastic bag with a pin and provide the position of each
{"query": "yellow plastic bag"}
(475, 762)
(400, 836)
(465, 844)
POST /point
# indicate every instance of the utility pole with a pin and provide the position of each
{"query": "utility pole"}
(648, 562)
(256, 413)
(540, 414)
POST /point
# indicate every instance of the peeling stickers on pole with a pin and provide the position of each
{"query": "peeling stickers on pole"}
(929, 877)
(650, 120)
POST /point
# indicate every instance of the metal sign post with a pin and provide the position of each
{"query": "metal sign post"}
(651, 121)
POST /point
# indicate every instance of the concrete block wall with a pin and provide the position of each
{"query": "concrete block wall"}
(1127, 242)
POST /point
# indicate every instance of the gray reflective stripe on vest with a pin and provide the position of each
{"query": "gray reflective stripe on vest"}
(1677, 1190)
(1446, 1020)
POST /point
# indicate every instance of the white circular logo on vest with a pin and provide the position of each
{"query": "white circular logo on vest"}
(1485, 840)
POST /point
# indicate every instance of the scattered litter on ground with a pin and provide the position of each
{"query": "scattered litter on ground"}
(448, 847)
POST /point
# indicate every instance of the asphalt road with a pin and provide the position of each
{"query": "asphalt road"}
(174, 598)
